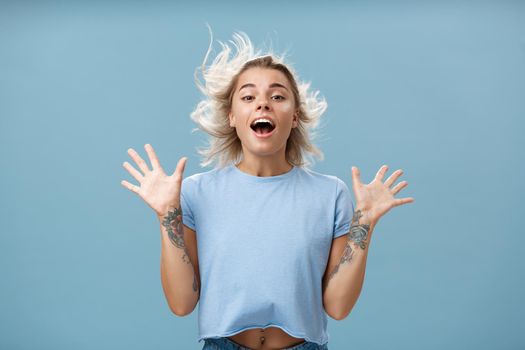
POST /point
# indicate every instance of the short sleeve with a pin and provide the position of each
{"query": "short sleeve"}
(344, 209)
(185, 202)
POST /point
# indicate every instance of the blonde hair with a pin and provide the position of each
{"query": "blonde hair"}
(220, 79)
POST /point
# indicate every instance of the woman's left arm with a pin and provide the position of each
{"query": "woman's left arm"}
(345, 273)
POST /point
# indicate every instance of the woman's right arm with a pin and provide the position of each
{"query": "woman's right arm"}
(179, 263)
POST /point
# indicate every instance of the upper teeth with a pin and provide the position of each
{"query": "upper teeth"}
(261, 120)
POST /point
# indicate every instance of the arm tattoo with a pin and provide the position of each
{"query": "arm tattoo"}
(358, 235)
(173, 224)
(347, 256)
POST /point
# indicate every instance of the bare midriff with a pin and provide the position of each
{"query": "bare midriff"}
(271, 338)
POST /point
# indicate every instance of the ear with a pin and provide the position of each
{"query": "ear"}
(295, 120)
(231, 117)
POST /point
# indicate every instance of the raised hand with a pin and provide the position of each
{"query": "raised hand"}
(377, 198)
(158, 190)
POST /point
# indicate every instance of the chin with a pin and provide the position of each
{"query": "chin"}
(264, 150)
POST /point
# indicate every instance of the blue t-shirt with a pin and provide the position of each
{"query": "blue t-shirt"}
(263, 245)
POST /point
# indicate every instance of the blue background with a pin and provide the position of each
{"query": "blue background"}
(436, 89)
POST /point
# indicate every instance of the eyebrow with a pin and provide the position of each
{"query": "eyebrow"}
(273, 85)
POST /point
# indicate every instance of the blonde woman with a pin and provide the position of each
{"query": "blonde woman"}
(265, 245)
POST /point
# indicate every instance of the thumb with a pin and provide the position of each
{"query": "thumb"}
(179, 170)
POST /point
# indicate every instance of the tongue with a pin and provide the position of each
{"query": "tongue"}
(261, 130)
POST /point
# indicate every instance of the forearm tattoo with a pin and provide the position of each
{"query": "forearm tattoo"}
(358, 232)
(358, 235)
(173, 224)
(347, 256)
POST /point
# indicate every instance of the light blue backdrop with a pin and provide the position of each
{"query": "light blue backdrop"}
(437, 90)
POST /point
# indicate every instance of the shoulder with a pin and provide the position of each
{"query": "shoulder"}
(324, 180)
(204, 181)
(202, 177)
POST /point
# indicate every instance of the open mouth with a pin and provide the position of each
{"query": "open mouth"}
(262, 128)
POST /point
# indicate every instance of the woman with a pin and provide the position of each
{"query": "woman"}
(266, 246)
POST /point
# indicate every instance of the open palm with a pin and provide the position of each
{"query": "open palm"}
(377, 197)
(159, 190)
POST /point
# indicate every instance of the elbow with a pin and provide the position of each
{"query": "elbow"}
(337, 315)
(338, 312)
(341, 316)
(178, 312)
(181, 307)
(342, 312)
(340, 309)
(181, 311)
(333, 308)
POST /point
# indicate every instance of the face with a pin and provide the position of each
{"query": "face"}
(263, 92)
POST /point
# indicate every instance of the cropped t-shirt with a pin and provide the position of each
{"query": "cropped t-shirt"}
(263, 245)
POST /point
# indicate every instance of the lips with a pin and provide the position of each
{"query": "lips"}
(265, 117)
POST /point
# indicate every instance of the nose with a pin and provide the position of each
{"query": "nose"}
(263, 105)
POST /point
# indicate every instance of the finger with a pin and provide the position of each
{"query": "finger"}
(399, 186)
(393, 177)
(381, 173)
(152, 157)
(129, 186)
(402, 201)
(136, 174)
(138, 160)
(179, 170)
(356, 175)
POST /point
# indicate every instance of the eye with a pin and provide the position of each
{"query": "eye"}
(244, 98)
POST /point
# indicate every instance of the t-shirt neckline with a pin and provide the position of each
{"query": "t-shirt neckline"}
(254, 178)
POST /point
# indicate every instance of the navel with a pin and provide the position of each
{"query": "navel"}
(262, 337)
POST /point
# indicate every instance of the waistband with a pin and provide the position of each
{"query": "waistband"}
(228, 344)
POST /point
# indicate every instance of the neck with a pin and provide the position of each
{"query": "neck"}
(264, 167)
